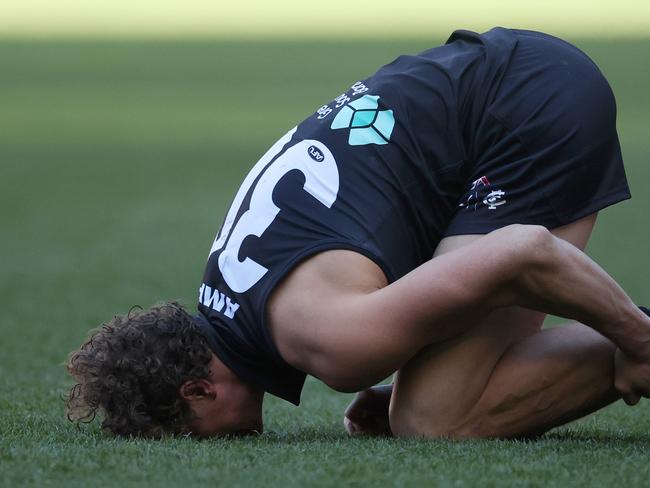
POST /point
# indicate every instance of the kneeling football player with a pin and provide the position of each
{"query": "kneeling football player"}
(423, 222)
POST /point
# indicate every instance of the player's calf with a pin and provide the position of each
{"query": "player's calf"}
(546, 380)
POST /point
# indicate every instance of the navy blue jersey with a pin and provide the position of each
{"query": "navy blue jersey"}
(380, 170)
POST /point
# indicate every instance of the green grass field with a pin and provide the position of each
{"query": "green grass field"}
(117, 161)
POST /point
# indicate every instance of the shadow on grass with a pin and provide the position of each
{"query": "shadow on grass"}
(324, 436)
(604, 438)
(314, 434)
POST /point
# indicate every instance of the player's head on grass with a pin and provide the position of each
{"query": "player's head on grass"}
(131, 370)
(151, 373)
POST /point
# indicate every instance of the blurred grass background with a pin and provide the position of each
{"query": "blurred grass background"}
(295, 18)
(125, 130)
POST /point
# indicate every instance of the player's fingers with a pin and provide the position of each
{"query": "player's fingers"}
(357, 414)
(351, 427)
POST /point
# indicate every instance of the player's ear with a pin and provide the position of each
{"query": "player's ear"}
(194, 390)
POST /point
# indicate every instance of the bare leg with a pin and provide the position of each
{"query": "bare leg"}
(546, 380)
(436, 392)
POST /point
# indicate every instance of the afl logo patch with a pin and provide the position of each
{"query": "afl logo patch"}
(315, 153)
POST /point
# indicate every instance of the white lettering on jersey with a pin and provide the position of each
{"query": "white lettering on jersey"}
(231, 308)
(310, 157)
(245, 186)
(215, 300)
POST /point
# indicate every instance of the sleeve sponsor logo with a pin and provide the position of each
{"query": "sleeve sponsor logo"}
(367, 124)
(356, 89)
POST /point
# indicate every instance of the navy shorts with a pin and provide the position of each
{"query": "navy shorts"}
(547, 152)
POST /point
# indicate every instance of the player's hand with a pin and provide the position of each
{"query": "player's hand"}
(368, 412)
(631, 377)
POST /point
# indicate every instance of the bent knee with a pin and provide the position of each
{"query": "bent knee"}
(443, 418)
(411, 424)
(405, 423)
(409, 419)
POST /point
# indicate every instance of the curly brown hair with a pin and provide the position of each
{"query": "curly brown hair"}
(131, 370)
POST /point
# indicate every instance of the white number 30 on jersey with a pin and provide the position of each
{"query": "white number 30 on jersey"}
(310, 157)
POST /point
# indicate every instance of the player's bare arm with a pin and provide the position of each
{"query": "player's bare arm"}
(369, 334)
